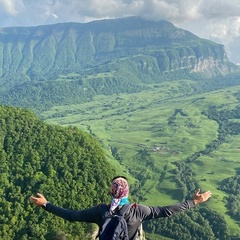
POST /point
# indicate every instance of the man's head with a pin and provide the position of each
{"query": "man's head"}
(119, 188)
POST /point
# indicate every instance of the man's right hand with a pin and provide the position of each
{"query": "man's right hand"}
(39, 201)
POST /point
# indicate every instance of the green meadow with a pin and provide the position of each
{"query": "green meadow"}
(145, 134)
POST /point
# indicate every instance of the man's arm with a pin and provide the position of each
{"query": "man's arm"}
(148, 213)
(92, 215)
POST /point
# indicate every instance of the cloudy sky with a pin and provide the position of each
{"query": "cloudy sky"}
(218, 20)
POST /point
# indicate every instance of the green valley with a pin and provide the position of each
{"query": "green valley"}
(146, 134)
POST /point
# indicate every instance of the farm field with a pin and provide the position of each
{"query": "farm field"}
(146, 134)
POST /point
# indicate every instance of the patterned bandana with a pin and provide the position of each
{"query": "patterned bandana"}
(119, 191)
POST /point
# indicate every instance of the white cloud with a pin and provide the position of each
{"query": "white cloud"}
(8, 6)
(220, 9)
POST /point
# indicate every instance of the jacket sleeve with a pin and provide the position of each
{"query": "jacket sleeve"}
(147, 212)
(90, 215)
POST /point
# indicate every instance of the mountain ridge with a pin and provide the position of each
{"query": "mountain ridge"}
(124, 33)
(121, 51)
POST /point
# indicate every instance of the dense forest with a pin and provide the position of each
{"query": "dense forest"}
(65, 164)
(199, 224)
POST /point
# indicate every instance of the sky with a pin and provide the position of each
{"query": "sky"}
(217, 20)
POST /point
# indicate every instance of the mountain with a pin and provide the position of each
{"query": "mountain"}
(71, 62)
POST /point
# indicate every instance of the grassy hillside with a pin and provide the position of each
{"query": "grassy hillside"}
(165, 140)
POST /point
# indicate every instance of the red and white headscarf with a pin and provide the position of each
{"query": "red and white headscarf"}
(119, 191)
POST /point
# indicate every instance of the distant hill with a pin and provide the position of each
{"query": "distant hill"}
(68, 63)
(65, 164)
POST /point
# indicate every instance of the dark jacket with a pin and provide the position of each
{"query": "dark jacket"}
(136, 215)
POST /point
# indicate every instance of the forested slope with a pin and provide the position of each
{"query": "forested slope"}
(65, 164)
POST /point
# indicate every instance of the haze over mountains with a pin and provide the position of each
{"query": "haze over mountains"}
(130, 50)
